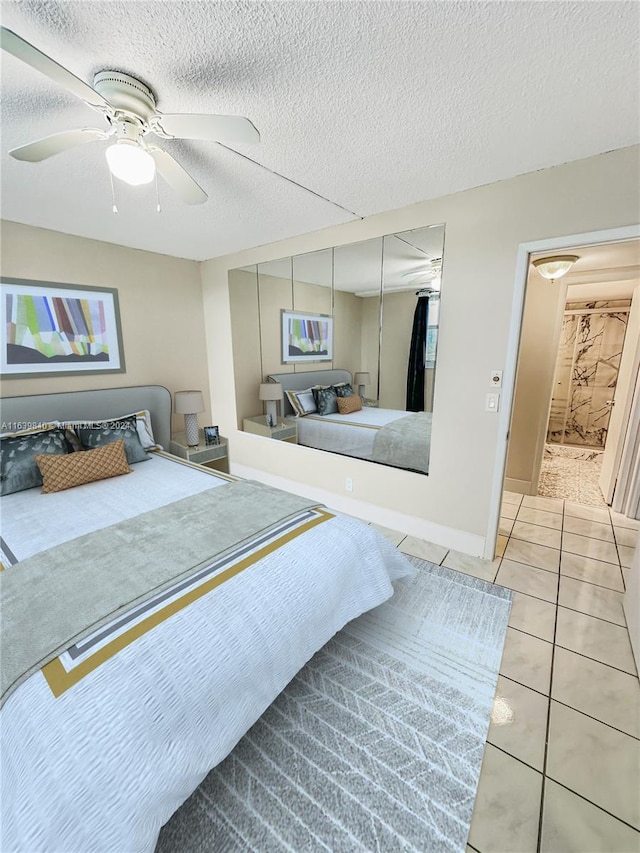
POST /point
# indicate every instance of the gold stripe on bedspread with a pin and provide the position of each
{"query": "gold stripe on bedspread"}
(60, 679)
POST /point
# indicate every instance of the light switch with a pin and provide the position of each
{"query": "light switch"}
(496, 379)
(492, 403)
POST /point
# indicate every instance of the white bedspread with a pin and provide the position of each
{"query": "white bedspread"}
(352, 435)
(104, 765)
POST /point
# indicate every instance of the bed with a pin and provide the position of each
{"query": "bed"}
(388, 436)
(149, 619)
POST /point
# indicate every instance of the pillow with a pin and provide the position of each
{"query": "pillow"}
(303, 402)
(18, 468)
(143, 427)
(326, 401)
(76, 469)
(347, 405)
(145, 431)
(344, 389)
(103, 432)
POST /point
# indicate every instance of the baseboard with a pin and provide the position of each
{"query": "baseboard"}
(521, 487)
(448, 537)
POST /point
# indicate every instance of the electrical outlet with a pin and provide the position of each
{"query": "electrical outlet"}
(348, 484)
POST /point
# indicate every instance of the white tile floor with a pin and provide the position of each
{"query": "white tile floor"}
(561, 771)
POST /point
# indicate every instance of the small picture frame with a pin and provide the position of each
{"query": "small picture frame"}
(211, 435)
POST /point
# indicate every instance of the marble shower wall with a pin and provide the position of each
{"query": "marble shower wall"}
(587, 372)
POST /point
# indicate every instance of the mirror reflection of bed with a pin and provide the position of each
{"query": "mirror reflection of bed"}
(383, 298)
(388, 436)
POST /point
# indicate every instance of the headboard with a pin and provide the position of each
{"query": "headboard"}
(300, 381)
(93, 406)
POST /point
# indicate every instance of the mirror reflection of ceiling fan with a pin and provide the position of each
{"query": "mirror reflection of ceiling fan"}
(428, 273)
(129, 109)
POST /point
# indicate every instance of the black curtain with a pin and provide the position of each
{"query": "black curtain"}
(417, 354)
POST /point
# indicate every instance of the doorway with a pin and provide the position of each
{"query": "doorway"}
(571, 346)
(524, 477)
(587, 367)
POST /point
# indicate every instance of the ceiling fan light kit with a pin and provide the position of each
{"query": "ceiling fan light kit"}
(129, 108)
(131, 163)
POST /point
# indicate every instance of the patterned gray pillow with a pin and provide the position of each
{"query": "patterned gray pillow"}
(344, 389)
(104, 432)
(326, 400)
(18, 469)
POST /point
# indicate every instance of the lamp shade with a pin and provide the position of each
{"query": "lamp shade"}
(270, 391)
(188, 402)
(556, 266)
(362, 378)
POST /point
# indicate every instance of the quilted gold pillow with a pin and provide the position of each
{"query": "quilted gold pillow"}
(84, 466)
(347, 405)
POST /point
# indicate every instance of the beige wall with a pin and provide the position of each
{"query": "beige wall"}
(160, 309)
(539, 339)
(484, 227)
(247, 358)
(348, 331)
(397, 323)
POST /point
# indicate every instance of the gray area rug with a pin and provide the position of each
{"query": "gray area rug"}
(376, 744)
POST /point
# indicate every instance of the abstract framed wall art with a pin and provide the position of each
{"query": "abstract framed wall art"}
(306, 337)
(54, 329)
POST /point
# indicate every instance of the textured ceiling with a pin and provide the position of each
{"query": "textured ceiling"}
(363, 106)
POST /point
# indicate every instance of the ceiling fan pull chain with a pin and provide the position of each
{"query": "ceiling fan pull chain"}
(158, 208)
(113, 193)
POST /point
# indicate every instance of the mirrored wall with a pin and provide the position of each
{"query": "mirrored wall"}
(378, 304)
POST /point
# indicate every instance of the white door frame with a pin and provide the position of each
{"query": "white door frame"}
(624, 394)
(626, 498)
(552, 244)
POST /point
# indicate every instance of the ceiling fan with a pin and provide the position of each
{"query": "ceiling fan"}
(129, 108)
(430, 270)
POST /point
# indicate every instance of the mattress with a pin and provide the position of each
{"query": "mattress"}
(351, 435)
(101, 762)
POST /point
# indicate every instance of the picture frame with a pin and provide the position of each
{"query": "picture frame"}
(306, 337)
(56, 329)
(211, 435)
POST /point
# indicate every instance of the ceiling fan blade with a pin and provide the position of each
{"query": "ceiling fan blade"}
(21, 49)
(41, 149)
(177, 178)
(205, 127)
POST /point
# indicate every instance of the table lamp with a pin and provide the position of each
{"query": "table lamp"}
(362, 379)
(271, 392)
(189, 403)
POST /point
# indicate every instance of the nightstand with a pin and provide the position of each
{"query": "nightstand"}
(282, 431)
(211, 455)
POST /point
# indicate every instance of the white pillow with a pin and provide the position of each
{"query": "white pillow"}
(303, 402)
(145, 430)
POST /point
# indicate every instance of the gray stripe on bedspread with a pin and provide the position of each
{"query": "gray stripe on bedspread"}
(83, 646)
(11, 557)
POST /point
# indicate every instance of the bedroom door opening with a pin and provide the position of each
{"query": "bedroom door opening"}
(592, 340)
(584, 322)
(613, 263)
